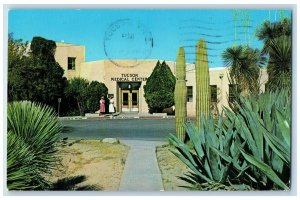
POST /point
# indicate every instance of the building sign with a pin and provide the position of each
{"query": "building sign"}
(128, 77)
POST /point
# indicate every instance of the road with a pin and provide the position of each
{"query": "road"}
(129, 129)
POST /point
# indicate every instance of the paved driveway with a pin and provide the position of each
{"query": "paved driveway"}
(127, 129)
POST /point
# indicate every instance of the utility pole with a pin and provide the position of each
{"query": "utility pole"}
(58, 106)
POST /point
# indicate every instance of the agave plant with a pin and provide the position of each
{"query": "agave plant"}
(264, 125)
(32, 133)
(213, 158)
(250, 149)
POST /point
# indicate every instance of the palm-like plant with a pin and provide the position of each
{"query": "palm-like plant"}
(32, 133)
(244, 63)
(277, 43)
(269, 31)
(280, 63)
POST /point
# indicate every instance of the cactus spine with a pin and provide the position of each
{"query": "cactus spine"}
(180, 94)
(202, 82)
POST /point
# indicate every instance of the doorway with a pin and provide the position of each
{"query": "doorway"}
(129, 101)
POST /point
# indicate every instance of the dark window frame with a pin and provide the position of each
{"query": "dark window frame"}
(189, 93)
(213, 93)
(71, 63)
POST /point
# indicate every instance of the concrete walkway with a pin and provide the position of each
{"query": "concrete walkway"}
(141, 172)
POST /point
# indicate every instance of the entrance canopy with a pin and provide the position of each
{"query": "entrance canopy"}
(129, 85)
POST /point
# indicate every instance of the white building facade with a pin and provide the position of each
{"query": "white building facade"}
(125, 78)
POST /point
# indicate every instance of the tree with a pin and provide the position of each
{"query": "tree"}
(34, 75)
(159, 88)
(17, 58)
(78, 89)
(245, 64)
(95, 91)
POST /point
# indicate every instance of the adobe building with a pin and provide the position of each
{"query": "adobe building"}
(125, 78)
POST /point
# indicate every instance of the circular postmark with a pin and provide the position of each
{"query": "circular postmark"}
(127, 39)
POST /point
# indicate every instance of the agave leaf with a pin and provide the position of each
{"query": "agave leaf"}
(195, 138)
(184, 150)
(277, 163)
(255, 128)
(252, 178)
(213, 161)
(185, 161)
(284, 127)
(223, 173)
(222, 155)
(267, 117)
(267, 170)
(250, 141)
(187, 179)
(207, 169)
(278, 147)
(227, 141)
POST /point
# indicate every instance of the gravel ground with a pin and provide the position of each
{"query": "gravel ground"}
(90, 165)
(171, 167)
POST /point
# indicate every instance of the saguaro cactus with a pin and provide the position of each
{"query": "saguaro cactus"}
(180, 94)
(202, 82)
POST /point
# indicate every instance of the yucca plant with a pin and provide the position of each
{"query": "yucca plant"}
(264, 125)
(280, 63)
(32, 132)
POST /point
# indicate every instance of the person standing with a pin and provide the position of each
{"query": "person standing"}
(111, 105)
(102, 105)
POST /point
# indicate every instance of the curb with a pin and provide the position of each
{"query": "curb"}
(72, 118)
(133, 117)
(116, 117)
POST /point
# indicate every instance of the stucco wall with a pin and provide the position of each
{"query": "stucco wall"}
(63, 51)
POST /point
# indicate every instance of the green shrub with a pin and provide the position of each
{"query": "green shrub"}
(95, 91)
(32, 132)
(159, 88)
(77, 88)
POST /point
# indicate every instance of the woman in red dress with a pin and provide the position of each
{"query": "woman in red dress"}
(102, 105)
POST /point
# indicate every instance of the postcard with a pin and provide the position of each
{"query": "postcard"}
(149, 100)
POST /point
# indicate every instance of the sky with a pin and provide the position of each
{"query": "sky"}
(143, 33)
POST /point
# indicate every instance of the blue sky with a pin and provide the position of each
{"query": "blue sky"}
(143, 34)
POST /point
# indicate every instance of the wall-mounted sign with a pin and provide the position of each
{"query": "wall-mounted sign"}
(128, 77)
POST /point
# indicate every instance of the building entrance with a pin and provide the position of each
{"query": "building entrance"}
(130, 101)
(128, 96)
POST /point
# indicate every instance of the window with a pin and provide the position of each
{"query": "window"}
(71, 63)
(189, 94)
(213, 93)
(234, 90)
